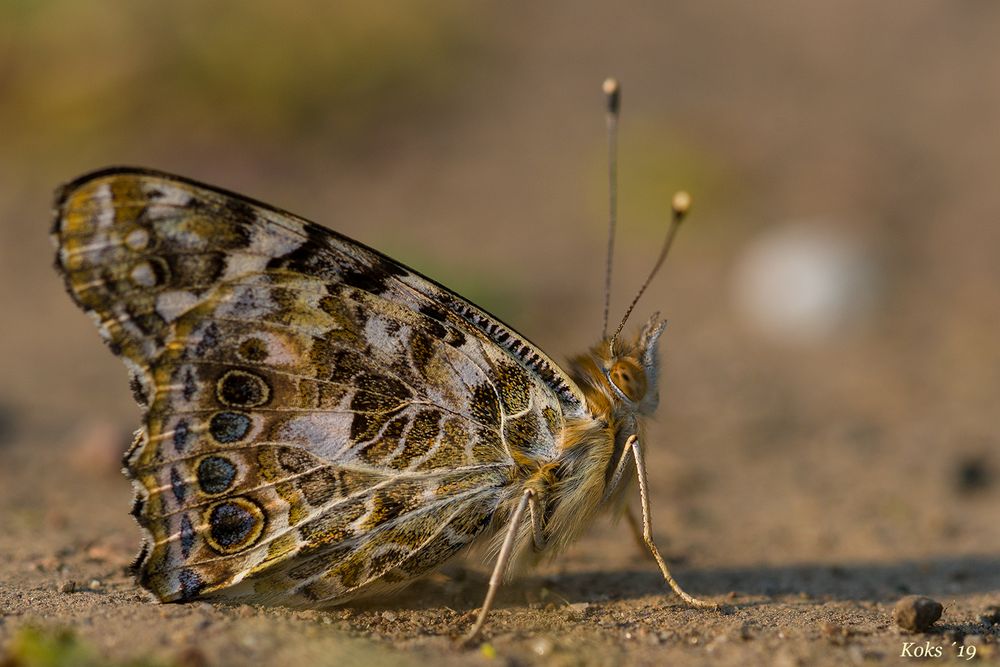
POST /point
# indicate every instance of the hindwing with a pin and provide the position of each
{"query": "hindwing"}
(318, 417)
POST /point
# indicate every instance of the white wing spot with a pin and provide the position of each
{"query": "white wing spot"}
(137, 239)
(142, 275)
(173, 304)
(105, 207)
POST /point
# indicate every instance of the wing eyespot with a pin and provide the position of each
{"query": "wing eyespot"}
(242, 389)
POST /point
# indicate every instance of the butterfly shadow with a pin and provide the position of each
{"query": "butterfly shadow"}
(462, 590)
(883, 582)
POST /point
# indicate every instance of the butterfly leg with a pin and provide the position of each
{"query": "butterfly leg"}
(616, 476)
(636, 529)
(647, 528)
(502, 561)
(537, 531)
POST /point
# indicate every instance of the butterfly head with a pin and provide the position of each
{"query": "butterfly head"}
(621, 375)
(632, 368)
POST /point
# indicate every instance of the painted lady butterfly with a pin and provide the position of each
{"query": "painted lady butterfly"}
(322, 422)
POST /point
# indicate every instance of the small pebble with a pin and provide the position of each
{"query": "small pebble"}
(991, 615)
(916, 613)
(68, 587)
(972, 474)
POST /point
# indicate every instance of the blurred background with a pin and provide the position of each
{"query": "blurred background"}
(832, 360)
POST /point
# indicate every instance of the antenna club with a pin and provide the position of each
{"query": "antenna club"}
(613, 90)
(680, 204)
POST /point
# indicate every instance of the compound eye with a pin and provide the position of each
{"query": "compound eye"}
(630, 378)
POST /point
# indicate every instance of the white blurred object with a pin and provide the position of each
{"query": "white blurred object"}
(804, 282)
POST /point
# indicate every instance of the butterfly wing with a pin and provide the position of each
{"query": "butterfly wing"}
(318, 417)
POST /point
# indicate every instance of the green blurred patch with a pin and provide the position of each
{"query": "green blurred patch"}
(494, 289)
(655, 162)
(79, 76)
(32, 647)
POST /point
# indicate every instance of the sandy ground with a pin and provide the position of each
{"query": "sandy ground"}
(807, 484)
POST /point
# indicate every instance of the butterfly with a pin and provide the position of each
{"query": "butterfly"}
(321, 422)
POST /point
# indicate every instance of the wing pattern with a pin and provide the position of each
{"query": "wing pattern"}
(319, 419)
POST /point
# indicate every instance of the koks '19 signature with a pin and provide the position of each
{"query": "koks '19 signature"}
(928, 650)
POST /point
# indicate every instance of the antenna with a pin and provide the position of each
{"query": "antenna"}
(613, 95)
(679, 207)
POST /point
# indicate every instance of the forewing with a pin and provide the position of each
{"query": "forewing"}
(318, 417)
